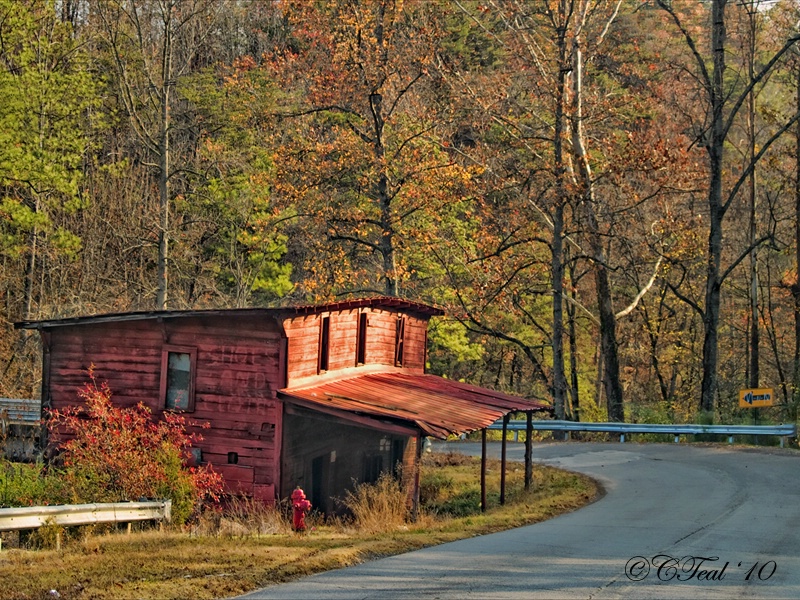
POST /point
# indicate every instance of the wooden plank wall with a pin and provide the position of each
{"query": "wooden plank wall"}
(237, 373)
(382, 336)
(343, 449)
(303, 333)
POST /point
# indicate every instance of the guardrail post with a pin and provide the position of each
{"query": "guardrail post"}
(677, 438)
(621, 438)
(730, 439)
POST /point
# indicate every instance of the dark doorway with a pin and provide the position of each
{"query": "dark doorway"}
(319, 483)
(397, 457)
(373, 465)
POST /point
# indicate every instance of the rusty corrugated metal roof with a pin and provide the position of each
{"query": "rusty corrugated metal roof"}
(438, 406)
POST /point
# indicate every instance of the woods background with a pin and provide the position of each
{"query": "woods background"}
(603, 194)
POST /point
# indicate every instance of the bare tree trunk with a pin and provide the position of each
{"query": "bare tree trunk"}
(386, 243)
(153, 45)
(714, 140)
(573, 352)
(608, 320)
(796, 285)
(164, 200)
(716, 212)
(557, 252)
(30, 274)
(751, 134)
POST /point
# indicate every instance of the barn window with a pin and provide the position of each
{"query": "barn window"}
(399, 343)
(361, 339)
(177, 378)
(324, 344)
(425, 348)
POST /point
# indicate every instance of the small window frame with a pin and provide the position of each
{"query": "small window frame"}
(400, 341)
(324, 347)
(361, 338)
(165, 352)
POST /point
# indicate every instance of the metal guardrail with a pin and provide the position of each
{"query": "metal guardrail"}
(623, 429)
(33, 517)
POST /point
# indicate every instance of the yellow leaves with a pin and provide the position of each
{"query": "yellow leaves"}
(213, 147)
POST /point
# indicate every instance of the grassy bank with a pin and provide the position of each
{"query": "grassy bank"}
(243, 550)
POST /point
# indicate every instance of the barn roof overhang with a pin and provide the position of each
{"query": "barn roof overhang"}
(438, 407)
(387, 302)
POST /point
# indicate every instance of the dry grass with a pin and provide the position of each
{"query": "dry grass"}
(250, 546)
(244, 517)
(378, 507)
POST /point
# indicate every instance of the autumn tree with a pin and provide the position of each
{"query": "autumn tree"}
(498, 279)
(561, 197)
(721, 106)
(360, 159)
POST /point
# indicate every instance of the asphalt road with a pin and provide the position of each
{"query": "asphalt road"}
(677, 521)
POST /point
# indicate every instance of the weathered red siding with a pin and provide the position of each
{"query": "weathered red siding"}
(303, 333)
(237, 373)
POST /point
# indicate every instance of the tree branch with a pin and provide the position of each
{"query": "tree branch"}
(746, 173)
(743, 255)
(701, 64)
(642, 292)
(756, 79)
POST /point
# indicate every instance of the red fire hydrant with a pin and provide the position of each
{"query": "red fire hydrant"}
(300, 506)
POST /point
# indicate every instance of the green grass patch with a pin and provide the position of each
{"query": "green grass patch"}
(251, 547)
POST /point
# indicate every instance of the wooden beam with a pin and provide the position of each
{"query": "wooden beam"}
(483, 470)
(292, 405)
(503, 462)
(47, 342)
(415, 504)
(528, 449)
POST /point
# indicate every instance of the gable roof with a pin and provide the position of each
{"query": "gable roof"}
(437, 406)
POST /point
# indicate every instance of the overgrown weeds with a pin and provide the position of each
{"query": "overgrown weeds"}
(244, 517)
(30, 484)
(378, 507)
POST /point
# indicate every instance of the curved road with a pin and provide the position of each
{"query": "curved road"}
(669, 505)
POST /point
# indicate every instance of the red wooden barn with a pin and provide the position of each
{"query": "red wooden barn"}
(315, 396)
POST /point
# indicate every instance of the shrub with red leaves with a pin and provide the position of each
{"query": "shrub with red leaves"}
(110, 453)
